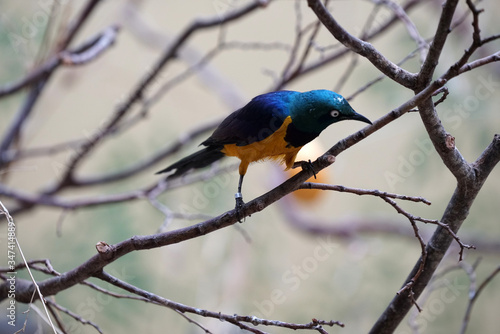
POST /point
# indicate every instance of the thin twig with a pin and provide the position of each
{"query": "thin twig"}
(362, 48)
(234, 319)
(445, 92)
(422, 45)
(74, 315)
(423, 258)
(60, 323)
(96, 46)
(138, 92)
(359, 191)
(473, 296)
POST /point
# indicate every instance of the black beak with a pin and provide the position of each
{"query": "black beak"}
(359, 117)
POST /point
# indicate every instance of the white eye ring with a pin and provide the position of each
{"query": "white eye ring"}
(335, 113)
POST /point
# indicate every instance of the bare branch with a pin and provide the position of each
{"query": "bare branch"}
(362, 48)
(172, 148)
(83, 54)
(453, 217)
(137, 93)
(78, 23)
(235, 319)
(358, 191)
(470, 176)
(48, 67)
(29, 199)
(480, 62)
(440, 37)
(445, 92)
(473, 296)
(422, 45)
(287, 72)
(74, 315)
(38, 85)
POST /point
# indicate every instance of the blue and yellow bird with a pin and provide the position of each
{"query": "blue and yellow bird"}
(271, 126)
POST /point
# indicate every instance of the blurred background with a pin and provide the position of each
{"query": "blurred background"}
(335, 256)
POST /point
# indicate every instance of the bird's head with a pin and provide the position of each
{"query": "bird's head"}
(315, 110)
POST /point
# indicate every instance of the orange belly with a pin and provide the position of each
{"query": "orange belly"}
(273, 147)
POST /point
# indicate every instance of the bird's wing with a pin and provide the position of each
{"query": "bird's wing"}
(256, 121)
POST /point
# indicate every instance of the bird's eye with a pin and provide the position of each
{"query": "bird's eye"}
(335, 113)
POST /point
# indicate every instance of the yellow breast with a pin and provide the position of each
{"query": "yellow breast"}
(272, 147)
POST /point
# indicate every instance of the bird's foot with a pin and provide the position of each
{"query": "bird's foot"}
(239, 204)
(305, 165)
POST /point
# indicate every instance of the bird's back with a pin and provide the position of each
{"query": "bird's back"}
(254, 122)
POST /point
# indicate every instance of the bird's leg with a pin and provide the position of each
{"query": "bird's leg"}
(239, 198)
(306, 165)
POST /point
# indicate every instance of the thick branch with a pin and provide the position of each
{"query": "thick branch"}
(444, 142)
(455, 214)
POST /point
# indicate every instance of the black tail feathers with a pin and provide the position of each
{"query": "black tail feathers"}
(196, 160)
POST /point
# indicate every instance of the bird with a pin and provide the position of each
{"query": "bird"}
(274, 125)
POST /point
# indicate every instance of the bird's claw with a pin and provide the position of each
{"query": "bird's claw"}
(305, 165)
(239, 205)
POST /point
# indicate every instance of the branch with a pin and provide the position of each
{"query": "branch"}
(440, 36)
(455, 214)
(339, 54)
(287, 72)
(85, 53)
(470, 178)
(444, 142)
(174, 147)
(358, 191)
(53, 201)
(75, 316)
(487, 160)
(78, 23)
(92, 49)
(136, 95)
(233, 319)
(34, 93)
(480, 62)
(422, 45)
(98, 262)
(323, 162)
(388, 198)
(68, 178)
(362, 48)
(473, 296)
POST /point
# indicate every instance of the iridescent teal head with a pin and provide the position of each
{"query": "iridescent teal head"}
(314, 111)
